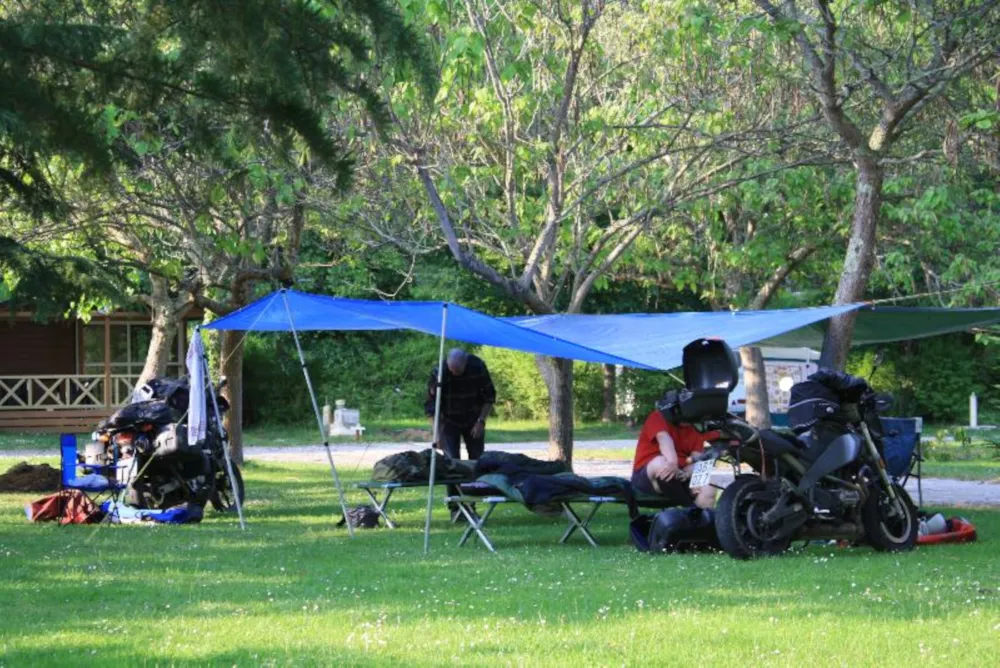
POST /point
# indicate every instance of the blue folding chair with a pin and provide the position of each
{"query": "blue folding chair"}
(99, 481)
(902, 451)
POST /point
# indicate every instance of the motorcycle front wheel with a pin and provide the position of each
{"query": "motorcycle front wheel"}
(222, 497)
(885, 528)
(737, 520)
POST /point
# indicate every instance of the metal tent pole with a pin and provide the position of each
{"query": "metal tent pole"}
(319, 416)
(437, 425)
(222, 434)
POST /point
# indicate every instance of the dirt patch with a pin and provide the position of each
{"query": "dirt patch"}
(25, 477)
(413, 435)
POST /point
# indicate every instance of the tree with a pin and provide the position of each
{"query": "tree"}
(872, 68)
(562, 134)
(172, 124)
(54, 285)
(204, 228)
(273, 61)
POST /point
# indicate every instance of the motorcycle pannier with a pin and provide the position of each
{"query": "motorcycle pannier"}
(153, 412)
(172, 440)
(810, 402)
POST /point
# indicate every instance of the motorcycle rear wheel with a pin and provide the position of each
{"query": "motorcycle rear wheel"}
(222, 496)
(884, 531)
(733, 516)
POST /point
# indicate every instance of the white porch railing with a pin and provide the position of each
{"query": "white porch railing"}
(63, 392)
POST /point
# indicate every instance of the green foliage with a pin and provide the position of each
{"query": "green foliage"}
(54, 286)
(386, 374)
(931, 378)
(645, 388)
(521, 392)
(383, 373)
(260, 62)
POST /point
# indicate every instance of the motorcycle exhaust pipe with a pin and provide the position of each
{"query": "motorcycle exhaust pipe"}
(840, 531)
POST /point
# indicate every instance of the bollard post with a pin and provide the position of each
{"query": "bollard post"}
(327, 417)
(973, 411)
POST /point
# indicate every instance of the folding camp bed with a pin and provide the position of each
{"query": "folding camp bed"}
(477, 522)
(373, 488)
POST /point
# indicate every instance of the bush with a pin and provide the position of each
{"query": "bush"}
(521, 391)
(931, 377)
(384, 374)
(644, 388)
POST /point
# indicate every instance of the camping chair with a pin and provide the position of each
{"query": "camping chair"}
(102, 480)
(901, 438)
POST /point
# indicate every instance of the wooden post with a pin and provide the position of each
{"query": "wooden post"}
(107, 361)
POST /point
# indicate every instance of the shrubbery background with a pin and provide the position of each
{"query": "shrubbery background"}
(385, 375)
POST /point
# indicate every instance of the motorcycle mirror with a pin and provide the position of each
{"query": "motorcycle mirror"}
(876, 362)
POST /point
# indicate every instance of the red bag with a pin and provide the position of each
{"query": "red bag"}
(70, 506)
(960, 530)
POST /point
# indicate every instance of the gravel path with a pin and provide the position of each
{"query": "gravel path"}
(349, 457)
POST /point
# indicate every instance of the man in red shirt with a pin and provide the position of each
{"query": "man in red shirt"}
(661, 464)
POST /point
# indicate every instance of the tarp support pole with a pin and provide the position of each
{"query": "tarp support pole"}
(436, 433)
(319, 416)
(222, 434)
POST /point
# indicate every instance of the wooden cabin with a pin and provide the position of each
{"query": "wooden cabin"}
(67, 375)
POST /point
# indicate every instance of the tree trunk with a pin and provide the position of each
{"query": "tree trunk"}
(232, 369)
(165, 318)
(158, 355)
(558, 376)
(755, 381)
(858, 262)
(609, 413)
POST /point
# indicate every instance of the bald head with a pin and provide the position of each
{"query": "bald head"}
(457, 359)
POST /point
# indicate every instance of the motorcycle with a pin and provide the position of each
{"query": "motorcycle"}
(157, 465)
(828, 481)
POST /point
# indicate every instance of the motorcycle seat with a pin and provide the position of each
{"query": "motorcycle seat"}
(778, 444)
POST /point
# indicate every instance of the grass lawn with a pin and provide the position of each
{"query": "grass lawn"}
(980, 469)
(306, 434)
(499, 432)
(293, 590)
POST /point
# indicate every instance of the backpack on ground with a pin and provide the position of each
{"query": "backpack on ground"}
(361, 517)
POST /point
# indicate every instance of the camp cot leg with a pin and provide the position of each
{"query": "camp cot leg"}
(381, 505)
(575, 523)
(437, 426)
(222, 434)
(319, 415)
(476, 523)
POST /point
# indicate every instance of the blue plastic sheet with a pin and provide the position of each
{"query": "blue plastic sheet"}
(320, 313)
(641, 340)
(656, 340)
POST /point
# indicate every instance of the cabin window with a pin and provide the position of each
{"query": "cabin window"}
(129, 344)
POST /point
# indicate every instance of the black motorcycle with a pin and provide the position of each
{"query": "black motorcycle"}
(156, 462)
(827, 481)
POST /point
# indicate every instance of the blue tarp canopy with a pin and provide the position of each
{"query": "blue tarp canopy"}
(643, 341)
(656, 340)
(321, 313)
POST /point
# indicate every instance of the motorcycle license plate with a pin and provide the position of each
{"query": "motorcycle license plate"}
(702, 474)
